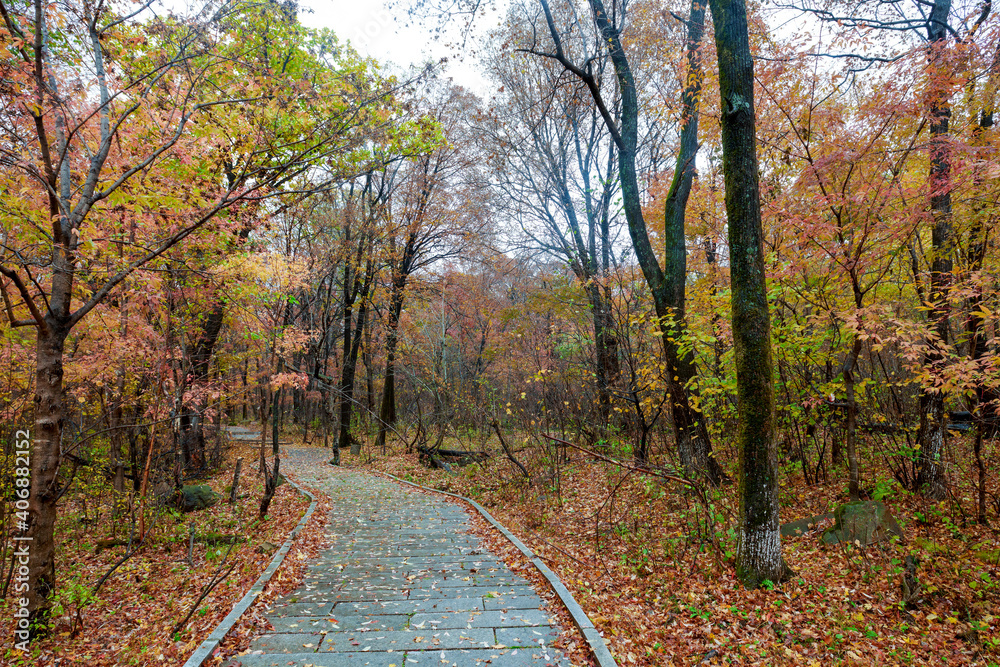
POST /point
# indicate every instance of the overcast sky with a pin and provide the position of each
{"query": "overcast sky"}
(390, 35)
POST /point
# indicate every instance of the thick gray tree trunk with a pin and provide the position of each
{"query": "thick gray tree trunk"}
(45, 459)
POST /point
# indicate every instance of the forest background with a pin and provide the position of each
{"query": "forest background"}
(225, 216)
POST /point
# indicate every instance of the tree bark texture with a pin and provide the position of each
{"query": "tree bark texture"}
(352, 345)
(759, 551)
(693, 445)
(667, 287)
(850, 366)
(931, 479)
(45, 460)
(387, 410)
(192, 423)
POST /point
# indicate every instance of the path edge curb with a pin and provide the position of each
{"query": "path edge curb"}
(597, 646)
(207, 647)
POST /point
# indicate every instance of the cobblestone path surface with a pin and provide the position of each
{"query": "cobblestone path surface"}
(403, 584)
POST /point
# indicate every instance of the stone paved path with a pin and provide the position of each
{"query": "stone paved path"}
(402, 585)
(242, 433)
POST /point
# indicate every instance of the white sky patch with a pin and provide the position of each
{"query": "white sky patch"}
(391, 35)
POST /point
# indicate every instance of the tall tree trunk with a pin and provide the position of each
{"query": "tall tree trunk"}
(244, 398)
(667, 288)
(931, 479)
(850, 383)
(985, 399)
(605, 349)
(710, 259)
(850, 365)
(192, 422)
(607, 343)
(693, 445)
(45, 460)
(367, 358)
(51, 332)
(271, 476)
(352, 345)
(387, 410)
(346, 388)
(759, 551)
(585, 264)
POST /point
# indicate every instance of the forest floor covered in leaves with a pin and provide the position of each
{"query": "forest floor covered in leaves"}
(649, 560)
(137, 615)
(652, 564)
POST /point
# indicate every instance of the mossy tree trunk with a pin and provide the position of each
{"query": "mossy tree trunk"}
(759, 551)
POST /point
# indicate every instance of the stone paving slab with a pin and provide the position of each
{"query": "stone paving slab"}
(288, 643)
(334, 595)
(343, 622)
(355, 659)
(485, 592)
(410, 606)
(487, 658)
(481, 619)
(502, 603)
(527, 636)
(302, 609)
(404, 583)
(412, 640)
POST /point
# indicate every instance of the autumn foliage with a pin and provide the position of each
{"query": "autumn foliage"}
(229, 217)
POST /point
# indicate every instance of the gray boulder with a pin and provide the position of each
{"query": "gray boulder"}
(861, 522)
(195, 497)
(800, 527)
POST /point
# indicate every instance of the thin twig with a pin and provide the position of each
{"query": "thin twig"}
(506, 450)
(217, 579)
(562, 551)
(128, 554)
(649, 471)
